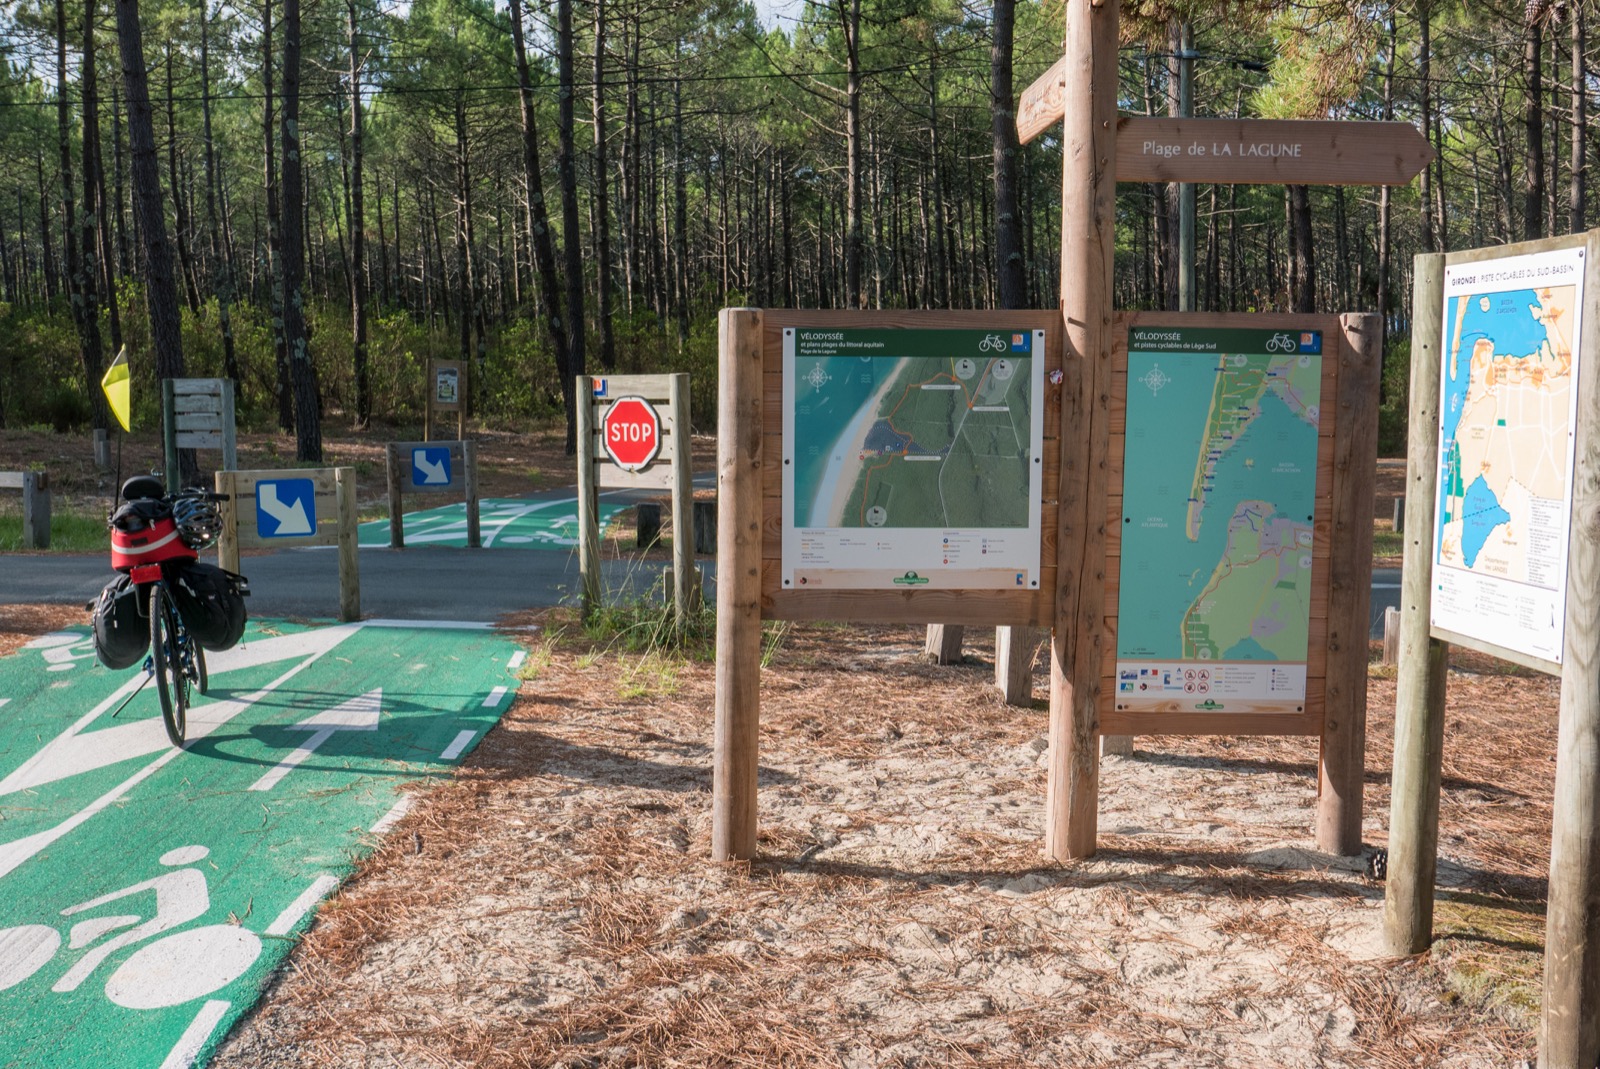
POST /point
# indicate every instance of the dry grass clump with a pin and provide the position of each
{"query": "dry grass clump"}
(554, 904)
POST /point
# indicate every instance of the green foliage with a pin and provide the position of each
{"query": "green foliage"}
(69, 533)
(1394, 410)
(648, 624)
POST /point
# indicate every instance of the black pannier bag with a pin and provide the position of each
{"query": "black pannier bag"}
(121, 630)
(211, 601)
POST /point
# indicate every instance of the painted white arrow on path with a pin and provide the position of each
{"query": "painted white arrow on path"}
(292, 519)
(357, 714)
(432, 472)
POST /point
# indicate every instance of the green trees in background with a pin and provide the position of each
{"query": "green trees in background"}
(557, 186)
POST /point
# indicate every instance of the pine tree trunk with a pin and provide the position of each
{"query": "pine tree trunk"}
(1011, 277)
(161, 293)
(1533, 125)
(302, 376)
(539, 232)
(601, 183)
(1576, 193)
(567, 168)
(221, 261)
(274, 271)
(180, 215)
(358, 230)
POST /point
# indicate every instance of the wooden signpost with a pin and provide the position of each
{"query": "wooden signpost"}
(1504, 349)
(432, 467)
(633, 432)
(446, 393)
(198, 414)
(293, 507)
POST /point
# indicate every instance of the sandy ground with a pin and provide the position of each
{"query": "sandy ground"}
(555, 904)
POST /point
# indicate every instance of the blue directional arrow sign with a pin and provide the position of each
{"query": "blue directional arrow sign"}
(430, 466)
(286, 508)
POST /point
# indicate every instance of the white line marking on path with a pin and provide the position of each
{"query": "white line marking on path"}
(194, 1037)
(392, 817)
(454, 751)
(511, 665)
(494, 697)
(307, 901)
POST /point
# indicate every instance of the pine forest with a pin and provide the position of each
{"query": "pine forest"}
(316, 198)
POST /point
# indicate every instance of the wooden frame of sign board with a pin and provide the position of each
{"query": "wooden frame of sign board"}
(1569, 1031)
(1335, 700)
(198, 414)
(750, 483)
(335, 525)
(434, 406)
(463, 454)
(672, 470)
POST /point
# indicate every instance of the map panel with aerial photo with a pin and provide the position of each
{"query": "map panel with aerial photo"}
(1219, 491)
(912, 458)
(1506, 417)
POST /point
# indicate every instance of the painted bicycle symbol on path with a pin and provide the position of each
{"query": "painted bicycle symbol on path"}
(167, 971)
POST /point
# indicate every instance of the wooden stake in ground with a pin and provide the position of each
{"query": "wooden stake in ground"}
(1088, 232)
(738, 702)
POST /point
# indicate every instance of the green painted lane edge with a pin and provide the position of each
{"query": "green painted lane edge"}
(503, 523)
(147, 894)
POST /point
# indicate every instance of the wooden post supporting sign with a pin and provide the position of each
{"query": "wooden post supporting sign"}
(293, 507)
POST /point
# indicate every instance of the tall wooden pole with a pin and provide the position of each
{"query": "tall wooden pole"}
(588, 501)
(1088, 230)
(1569, 1027)
(1344, 726)
(738, 701)
(1420, 684)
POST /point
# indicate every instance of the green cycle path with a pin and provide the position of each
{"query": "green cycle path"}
(146, 892)
(503, 523)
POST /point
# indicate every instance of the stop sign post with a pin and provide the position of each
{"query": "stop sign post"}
(631, 430)
(633, 434)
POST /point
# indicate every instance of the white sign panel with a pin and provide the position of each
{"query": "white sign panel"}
(1507, 413)
(912, 458)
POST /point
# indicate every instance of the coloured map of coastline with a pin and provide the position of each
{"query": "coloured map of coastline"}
(913, 457)
(1219, 492)
(915, 441)
(1504, 417)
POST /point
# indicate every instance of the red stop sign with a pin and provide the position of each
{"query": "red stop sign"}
(632, 432)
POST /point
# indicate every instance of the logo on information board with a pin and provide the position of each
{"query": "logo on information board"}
(1311, 341)
(1019, 343)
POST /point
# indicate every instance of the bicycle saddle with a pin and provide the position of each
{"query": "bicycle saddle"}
(142, 486)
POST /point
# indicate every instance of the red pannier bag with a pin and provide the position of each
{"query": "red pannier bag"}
(143, 532)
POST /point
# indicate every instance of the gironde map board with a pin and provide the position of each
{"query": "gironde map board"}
(912, 458)
(1507, 420)
(1218, 518)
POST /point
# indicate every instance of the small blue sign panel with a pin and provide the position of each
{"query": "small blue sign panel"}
(600, 386)
(286, 508)
(430, 466)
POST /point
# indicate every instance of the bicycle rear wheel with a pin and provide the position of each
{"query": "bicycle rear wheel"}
(172, 685)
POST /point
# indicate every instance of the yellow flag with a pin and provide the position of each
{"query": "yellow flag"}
(115, 384)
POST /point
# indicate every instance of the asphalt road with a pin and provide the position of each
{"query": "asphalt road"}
(431, 583)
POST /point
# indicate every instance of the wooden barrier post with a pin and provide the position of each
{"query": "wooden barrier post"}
(349, 546)
(227, 484)
(332, 523)
(469, 486)
(1087, 240)
(1014, 649)
(588, 505)
(1342, 766)
(1420, 682)
(35, 487)
(738, 696)
(685, 577)
(458, 470)
(397, 526)
(1569, 1025)
(943, 644)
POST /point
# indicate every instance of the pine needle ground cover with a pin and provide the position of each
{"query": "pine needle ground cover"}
(554, 904)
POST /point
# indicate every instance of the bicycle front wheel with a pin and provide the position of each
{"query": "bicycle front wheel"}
(172, 687)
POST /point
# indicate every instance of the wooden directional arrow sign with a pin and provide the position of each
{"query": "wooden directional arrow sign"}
(1043, 103)
(1285, 151)
(1310, 152)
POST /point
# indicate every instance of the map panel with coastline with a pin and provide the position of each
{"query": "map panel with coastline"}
(1506, 412)
(1219, 491)
(912, 456)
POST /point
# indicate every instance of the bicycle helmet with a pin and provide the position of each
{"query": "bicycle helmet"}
(199, 522)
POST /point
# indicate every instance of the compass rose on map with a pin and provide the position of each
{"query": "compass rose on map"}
(1155, 378)
(817, 377)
